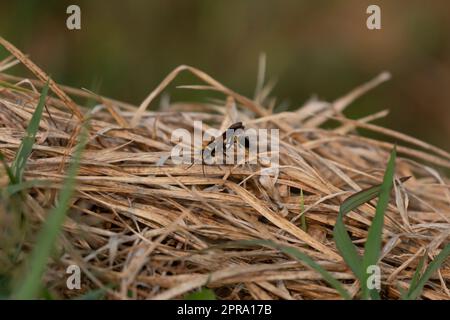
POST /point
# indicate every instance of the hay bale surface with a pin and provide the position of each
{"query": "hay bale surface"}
(146, 230)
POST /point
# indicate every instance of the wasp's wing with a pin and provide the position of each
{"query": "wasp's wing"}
(230, 135)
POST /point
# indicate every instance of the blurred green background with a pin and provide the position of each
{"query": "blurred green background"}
(312, 47)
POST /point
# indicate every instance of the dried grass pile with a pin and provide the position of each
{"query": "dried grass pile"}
(141, 230)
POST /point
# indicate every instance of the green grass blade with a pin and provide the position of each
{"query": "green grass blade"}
(5, 284)
(415, 291)
(416, 277)
(300, 256)
(18, 187)
(302, 208)
(341, 238)
(403, 292)
(96, 294)
(14, 87)
(372, 248)
(359, 198)
(12, 179)
(203, 294)
(26, 146)
(29, 288)
(14, 201)
(347, 249)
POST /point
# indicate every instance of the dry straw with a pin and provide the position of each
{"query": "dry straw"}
(139, 229)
